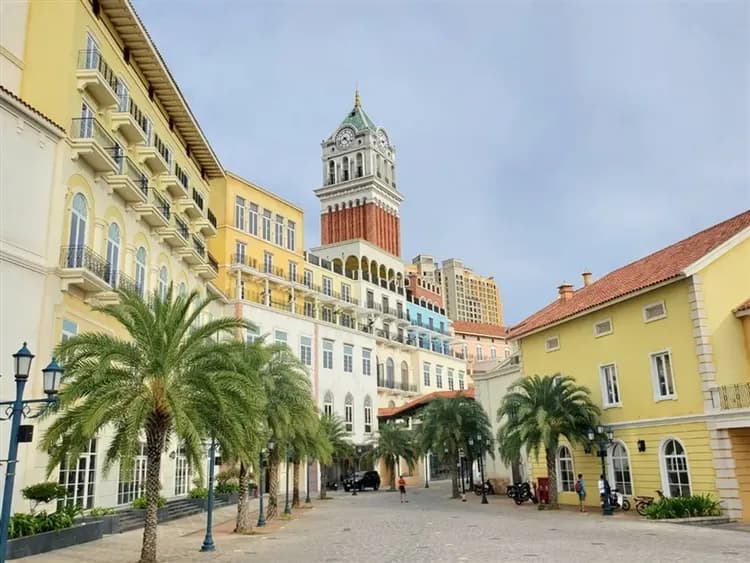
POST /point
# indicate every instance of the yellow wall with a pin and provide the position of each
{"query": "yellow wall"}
(726, 284)
(741, 452)
(580, 355)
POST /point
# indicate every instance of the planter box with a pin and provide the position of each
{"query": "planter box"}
(110, 522)
(697, 520)
(230, 498)
(49, 541)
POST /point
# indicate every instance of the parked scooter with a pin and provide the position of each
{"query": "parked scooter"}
(618, 500)
(521, 493)
(489, 489)
(642, 502)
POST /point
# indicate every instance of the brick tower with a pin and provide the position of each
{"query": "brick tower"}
(359, 199)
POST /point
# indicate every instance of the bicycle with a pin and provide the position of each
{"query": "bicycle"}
(642, 502)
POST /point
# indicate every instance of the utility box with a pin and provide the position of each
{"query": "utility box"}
(542, 490)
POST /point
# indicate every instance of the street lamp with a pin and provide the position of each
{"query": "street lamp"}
(287, 508)
(427, 470)
(261, 515)
(481, 465)
(603, 436)
(354, 481)
(16, 410)
(208, 541)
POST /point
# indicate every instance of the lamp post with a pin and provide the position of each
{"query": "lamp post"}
(261, 514)
(427, 470)
(307, 486)
(208, 541)
(356, 470)
(287, 506)
(15, 411)
(602, 437)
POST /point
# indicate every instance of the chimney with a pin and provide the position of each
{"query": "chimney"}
(586, 278)
(565, 291)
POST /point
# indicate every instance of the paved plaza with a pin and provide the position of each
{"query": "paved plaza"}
(375, 527)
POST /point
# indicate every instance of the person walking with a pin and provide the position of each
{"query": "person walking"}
(602, 488)
(402, 488)
(581, 491)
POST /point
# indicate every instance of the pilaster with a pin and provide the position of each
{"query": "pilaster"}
(727, 484)
(702, 340)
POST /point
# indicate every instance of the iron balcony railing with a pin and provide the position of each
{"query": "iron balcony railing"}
(162, 149)
(85, 258)
(213, 262)
(385, 382)
(162, 205)
(130, 169)
(199, 246)
(198, 199)
(212, 218)
(182, 177)
(92, 59)
(433, 328)
(90, 128)
(138, 116)
(244, 260)
(182, 227)
(734, 396)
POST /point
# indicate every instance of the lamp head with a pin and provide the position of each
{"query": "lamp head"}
(52, 375)
(591, 434)
(22, 360)
(271, 445)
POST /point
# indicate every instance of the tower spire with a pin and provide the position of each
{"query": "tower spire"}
(357, 101)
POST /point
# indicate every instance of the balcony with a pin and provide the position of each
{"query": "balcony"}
(732, 396)
(155, 210)
(391, 383)
(193, 206)
(176, 233)
(421, 327)
(206, 225)
(96, 77)
(130, 121)
(84, 269)
(175, 183)
(244, 261)
(91, 142)
(155, 155)
(129, 182)
(194, 253)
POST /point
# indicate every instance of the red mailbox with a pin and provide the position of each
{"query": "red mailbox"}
(542, 490)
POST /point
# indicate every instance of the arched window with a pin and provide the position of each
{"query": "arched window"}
(480, 352)
(377, 165)
(140, 271)
(328, 404)
(360, 170)
(368, 414)
(183, 289)
(565, 473)
(331, 172)
(113, 254)
(404, 376)
(77, 238)
(619, 469)
(391, 404)
(163, 283)
(389, 375)
(493, 353)
(675, 474)
(349, 413)
(345, 168)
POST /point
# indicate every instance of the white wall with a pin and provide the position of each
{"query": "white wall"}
(13, 16)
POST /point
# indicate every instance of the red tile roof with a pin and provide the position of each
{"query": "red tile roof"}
(30, 107)
(662, 266)
(423, 400)
(481, 329)
(743, 307)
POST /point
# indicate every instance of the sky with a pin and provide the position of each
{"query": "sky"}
(534, 140)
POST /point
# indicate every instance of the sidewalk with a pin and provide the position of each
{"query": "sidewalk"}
(126, 547)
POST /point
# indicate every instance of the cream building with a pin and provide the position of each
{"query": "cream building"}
(469, 296)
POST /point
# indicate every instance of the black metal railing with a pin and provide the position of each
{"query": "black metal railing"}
(92, 59)
(199, 247)
(212, 218)
(134, 173)
(161, 204)
(213, 262)
(90, 128)
(162, 149)
(182, 227)
(138, 116)
(181, 175)
(244, 260)
(734, 396)
(85, 258)
(198, 199)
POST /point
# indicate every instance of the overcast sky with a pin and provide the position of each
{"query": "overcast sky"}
(534, 139)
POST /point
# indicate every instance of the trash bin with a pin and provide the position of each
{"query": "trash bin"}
(542, 490)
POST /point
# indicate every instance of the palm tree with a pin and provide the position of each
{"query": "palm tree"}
(394, 442)
(167, 378)
(290, 409)
(447, 425)
(307, 444)
(335, 445)
(536, 412)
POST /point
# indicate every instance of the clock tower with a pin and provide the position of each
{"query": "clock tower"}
(359, 199)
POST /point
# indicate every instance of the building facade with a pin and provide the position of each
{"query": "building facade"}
(469, 296)
(662, 344)
(480, 342)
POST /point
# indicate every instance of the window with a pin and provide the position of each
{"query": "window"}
(346, 292)
(267, 262)
(390, 373)
(331, 172)
(654, 312)
(404, 376)
(163, 283)
(252, 223)
(181, 471)
(293, 271)
(348, 358)
(552, 344)
(368, 414)
(675, 474)
(565, 473)
(366, 361)
(493, 353)
(308, 278)
(309, 309)
(240, 252)
(480, 352)
(279, 336)
(140, 271)
(305, 350)
(77, 236)
(345, 168)
(610, 386)
(461, 380)
(252, 335)
(113, 255)
(132, 484)
(69, 330)
(619, 469)
(346, 320)
(182, 289)
(279, 234)
(328, 354)
(327, 314)
(663, 378)
(349, 412)
(327, 285)
(267, 224)
(291, 235)
(359, 165)
(450, 379)
(603, 328)
(439, 376)
(328, 404)
(79, 479)
(239, 213)
(426, 374)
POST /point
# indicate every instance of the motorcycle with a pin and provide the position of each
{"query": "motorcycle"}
(487, 486)
(642, 502)
(521, 493)
(619, 500)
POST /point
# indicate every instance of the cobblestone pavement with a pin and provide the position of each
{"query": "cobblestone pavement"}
(375, 527)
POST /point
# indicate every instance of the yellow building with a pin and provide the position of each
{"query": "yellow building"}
(660, 343)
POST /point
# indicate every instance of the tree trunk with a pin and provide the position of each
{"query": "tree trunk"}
(323, 482)
(295, 486)
(273, 488)
(552, 476)
(454, 481)
(243, 524)
(154, 448)
(393, 472)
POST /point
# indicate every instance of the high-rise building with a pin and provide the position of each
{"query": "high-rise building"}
(469, 296)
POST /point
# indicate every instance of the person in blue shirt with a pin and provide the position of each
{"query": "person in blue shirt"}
(581, 491)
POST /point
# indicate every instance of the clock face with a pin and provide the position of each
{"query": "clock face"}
(345, 138)
(382, 139)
